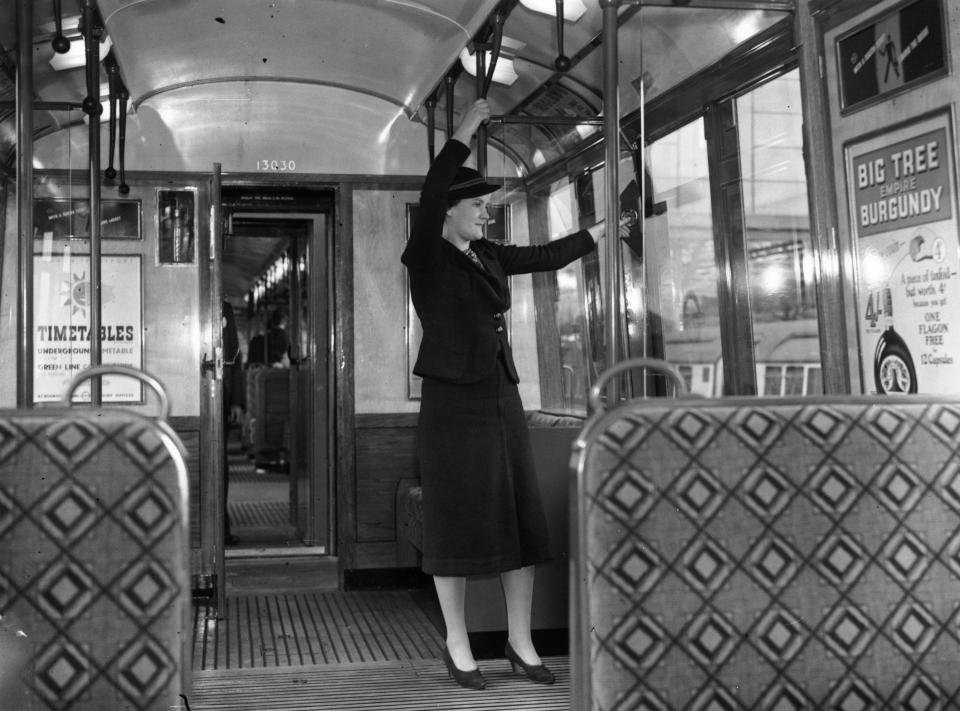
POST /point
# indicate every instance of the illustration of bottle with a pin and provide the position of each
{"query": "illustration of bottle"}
(893, 370)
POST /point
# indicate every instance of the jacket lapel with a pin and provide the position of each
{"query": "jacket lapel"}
(492, 273)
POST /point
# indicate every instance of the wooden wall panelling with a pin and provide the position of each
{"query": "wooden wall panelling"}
(384, 447)
(188, 430)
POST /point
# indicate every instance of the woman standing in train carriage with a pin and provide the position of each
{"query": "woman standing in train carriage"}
(481, 503)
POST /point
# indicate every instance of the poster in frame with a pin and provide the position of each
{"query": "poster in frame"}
(61, 337)
(891, 53)
(904, 224)
(69, 218)
(176, 226)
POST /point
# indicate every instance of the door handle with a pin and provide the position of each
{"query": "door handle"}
(207, 365)
(214, 365)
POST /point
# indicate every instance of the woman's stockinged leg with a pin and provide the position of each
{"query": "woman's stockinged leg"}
(451, 592)
(518, 594)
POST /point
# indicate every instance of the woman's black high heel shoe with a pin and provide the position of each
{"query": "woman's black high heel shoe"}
(472, 679)
(537, 673)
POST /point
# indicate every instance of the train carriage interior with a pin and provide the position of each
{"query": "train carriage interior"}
(206, 203)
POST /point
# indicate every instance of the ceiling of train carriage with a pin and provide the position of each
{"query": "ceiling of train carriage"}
(398, 51)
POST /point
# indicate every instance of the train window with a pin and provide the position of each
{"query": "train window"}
(772, 378)
(793, 380)
(575, 203)
(779, 248)
(785, 379)
(681, 270)
(569, 299)
(563, 217)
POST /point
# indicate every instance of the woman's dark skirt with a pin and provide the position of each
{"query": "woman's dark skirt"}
(482, 512)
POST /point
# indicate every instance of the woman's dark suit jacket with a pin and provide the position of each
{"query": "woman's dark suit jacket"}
(461, 306)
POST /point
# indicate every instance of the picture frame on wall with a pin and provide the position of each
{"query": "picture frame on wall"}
(891, 52)
(69, 218)
(177, 226)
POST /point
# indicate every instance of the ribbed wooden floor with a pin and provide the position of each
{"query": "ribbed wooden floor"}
(313, 628)
(377, 686)
(288, 639)
(258, 501)
(375, 650)
(259, 513)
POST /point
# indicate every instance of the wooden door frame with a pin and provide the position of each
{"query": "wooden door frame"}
(318, 534)
(209, 252)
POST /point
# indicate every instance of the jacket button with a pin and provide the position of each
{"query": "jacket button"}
(499, 329)
(497, 317)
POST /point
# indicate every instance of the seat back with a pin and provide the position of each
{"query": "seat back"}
(94, 561)
(767, 553)
(268, 404)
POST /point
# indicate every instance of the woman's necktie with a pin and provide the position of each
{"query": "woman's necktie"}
(474, 258)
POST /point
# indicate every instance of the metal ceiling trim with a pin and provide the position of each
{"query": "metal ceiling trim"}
(429, 11)
(166, 89)
(129, 5)
(768, 5)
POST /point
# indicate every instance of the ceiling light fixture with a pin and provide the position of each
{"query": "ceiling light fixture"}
(504, 73)
(572, 9)
(77, 55)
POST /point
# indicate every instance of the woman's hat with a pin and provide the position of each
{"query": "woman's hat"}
(468, 183)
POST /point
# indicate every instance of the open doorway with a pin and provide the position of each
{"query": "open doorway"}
(256, 273)
(276, 482)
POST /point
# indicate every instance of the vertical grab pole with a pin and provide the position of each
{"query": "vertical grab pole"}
(484, 77)
(611, 127)
(450, 82)
(640, 168)
(25, 202)
(92, 108)
(218, 428)
(431, 124)
(482, 129)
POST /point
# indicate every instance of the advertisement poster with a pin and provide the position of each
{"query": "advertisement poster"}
(901, 187)
(63, 218)
(61, 326)
(891, 53)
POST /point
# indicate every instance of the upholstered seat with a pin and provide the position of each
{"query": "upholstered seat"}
(760, 553)
(94, 561)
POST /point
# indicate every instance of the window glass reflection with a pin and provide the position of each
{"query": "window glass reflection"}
(572, 299)
(779, 249)
(681, 269)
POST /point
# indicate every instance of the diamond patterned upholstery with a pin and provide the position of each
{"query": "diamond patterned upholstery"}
(94, 561)
(768, 554)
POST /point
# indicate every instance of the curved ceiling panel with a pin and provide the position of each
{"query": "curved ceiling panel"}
(402, 52)
(239, 124)
(285, 63)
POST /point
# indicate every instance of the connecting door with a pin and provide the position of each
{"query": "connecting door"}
(301, 248)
